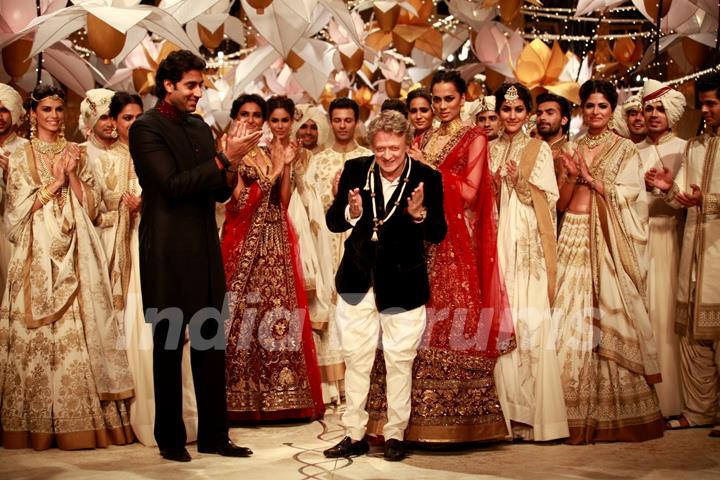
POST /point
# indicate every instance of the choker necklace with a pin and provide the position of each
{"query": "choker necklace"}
(450, 128)
(593, 141)
(48, 148)
(370, 185)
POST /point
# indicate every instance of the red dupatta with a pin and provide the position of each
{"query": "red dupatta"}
(465, 272)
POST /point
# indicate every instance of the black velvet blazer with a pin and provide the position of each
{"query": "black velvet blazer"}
(395, 266)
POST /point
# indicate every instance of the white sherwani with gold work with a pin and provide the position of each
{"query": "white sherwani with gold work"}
(317, 183)
(663, 255)
(697, 319)
(10, 145)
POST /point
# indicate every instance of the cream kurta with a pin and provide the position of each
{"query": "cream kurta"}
(528, 378)
(300, 205)
(700, 257)
(10, 145)
(118, 230)
(662, 257)
(698, 300)
(61, 364)
(316, 187)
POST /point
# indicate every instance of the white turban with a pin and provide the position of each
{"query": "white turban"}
(620, 115)
(95, 105)
(305, 112)
(480, 105)
(672, 101)
(11, 99)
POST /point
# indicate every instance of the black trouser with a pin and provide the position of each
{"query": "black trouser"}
(208, 368)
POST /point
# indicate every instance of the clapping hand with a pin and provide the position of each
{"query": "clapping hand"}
(570, 164)
(70, 159)
(58, 172)
(283, 156)
(582, 166)
(512, 171)
(133, 202)
(336, 182)
(415, 203)
(239, 141)
(693, 199)
(416, 153)
(659, 178)
(355, 203)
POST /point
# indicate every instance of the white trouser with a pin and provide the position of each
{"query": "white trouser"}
(359, 327)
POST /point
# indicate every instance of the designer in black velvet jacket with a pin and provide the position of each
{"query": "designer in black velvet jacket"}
(395, 265)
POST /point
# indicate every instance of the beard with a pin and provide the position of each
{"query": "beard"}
(549, 132)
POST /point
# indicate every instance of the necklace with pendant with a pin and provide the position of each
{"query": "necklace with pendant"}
(370, 185)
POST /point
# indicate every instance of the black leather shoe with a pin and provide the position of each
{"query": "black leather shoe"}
(176, 454)
(227, 448)
(394, 450)
(348, 448)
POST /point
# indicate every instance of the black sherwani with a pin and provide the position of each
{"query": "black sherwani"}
(395, 266)
(181, 268)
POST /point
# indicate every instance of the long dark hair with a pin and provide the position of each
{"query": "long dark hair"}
(122, 99)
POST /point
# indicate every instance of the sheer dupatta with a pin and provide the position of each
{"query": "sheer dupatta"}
(471, 215)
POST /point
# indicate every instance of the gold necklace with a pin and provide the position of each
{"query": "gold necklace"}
(450, 128)
(48, 148)
(593, 141)
(439, 138)
(264, 168)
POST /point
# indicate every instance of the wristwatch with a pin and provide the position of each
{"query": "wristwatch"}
(421, 218)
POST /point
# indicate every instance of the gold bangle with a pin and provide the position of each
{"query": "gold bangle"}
(45, 196)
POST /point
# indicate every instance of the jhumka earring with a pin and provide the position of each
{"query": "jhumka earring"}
(114, 133)
(62, 130)
(33, 127)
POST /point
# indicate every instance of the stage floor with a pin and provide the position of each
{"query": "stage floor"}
(295, 452)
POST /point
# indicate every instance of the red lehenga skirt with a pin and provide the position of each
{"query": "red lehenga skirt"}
(271, 362)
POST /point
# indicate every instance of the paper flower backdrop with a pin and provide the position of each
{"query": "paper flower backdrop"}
(314, 50)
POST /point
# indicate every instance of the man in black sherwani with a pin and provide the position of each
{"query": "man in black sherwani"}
(393, 204)
(181, 267)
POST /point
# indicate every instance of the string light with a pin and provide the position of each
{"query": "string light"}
(565, 18)
(585, 38)
(681, 80)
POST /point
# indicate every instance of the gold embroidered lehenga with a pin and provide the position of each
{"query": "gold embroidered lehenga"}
(63, 374)
(271, 361)
(118, 230)
(454, 398)
(605, 343)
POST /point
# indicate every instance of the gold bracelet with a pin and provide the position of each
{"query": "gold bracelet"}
(45, 196)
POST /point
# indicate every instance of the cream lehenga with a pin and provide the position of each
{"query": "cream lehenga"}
(605, 344)
(64, 375)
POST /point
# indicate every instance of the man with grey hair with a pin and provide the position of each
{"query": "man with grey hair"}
(393, 205)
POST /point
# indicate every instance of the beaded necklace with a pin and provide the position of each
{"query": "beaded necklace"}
(370, 185)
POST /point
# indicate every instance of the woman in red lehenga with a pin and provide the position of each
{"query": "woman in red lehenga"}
(271, 362)
(453, 394)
